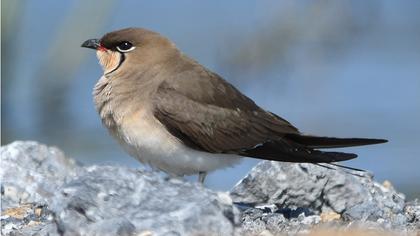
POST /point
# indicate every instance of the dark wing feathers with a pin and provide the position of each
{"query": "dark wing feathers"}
(283, 150)
(329, 142)
(209, 114)
(207, 127)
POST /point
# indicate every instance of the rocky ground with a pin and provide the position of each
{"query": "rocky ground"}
(45, 193)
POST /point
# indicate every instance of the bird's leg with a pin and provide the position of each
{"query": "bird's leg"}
(202, 176)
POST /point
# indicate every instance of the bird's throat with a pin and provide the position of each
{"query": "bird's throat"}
(109, 60)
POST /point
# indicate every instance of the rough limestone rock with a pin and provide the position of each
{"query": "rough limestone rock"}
(309, 193)
(45, 193)
(412, 212)
(32, 173)
(28, 219)
(121, 201)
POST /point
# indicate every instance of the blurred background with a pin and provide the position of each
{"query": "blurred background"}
(336, 68)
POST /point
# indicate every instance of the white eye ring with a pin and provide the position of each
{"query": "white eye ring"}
(127, 50)
(125, 46)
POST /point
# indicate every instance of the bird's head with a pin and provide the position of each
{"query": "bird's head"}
(131, 47)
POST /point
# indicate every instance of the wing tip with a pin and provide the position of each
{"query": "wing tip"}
(370, 141)
(379, 141)
(340, 156)
(332, 142)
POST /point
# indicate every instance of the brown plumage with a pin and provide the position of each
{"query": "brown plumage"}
(148, 84)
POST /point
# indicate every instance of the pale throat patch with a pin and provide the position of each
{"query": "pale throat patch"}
(109, 60)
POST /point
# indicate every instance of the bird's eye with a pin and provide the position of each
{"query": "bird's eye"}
(125, 47)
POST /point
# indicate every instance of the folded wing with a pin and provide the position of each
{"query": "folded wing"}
(219, 119)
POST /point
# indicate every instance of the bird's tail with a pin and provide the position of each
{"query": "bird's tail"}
(327, 142)
(347, 169)
(281, 150)
(303, 148)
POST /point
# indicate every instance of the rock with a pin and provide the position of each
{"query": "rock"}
(32, 173)
(318, 191)
(412, 212)
(28, 219)
(45, 193)
(317, 188)
(123, 201)
(328, 216)
(256, 221)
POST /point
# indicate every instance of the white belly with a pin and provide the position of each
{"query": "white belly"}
(146, 139)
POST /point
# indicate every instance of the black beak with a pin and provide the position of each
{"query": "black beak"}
(91, 43)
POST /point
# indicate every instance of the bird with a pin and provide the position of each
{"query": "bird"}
(170, 112)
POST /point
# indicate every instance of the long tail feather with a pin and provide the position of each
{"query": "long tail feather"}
(281, 151)
(329, 142)
(346, 168)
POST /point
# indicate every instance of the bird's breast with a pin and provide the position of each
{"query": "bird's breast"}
(141, 131)
(144, 137)
(102, 95)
